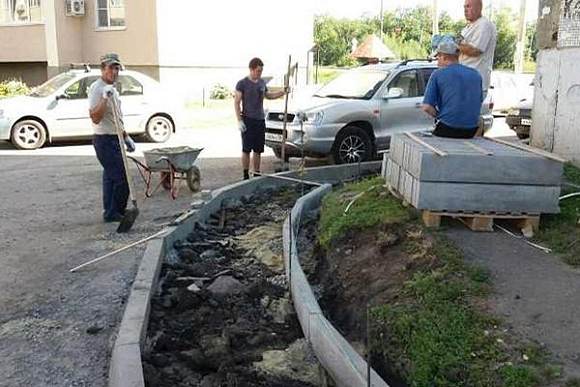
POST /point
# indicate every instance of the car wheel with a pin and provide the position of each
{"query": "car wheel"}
(278, 154)
(28, 134)
(522, 136)
(352, 145)
(159, 129)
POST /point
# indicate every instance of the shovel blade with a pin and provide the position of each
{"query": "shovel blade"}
(128, 220)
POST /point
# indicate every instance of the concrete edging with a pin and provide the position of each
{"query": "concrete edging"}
(345, 366)
(125, 369)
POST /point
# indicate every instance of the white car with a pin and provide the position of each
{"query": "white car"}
(509, 89)
(59, 109)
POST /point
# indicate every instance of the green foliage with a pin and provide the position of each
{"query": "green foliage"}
(405, 49)
(561, 231)
(371, 208)
(334, 37)
(220, 91)
(518, 376)
(441, 335)
(408, 32)
(13, 87)
(506, 24)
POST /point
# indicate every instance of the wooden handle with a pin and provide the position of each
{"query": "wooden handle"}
(123, 151)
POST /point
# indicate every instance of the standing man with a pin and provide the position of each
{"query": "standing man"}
(249, 107)
(453, 95)
(477, 42)
(103, 98)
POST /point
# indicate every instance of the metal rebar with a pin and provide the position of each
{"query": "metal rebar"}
(368, 346)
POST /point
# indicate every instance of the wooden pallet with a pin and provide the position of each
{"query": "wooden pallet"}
(476, 221)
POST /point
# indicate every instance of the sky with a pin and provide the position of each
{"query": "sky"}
(357, 8)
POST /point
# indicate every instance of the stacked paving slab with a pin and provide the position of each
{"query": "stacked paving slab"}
(474, 175)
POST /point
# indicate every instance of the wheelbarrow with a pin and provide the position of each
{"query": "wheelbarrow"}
(174, 164)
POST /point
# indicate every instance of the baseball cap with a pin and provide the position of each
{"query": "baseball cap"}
(447, 47)
(110, 59)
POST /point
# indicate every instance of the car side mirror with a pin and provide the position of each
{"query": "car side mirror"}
(61, 96)
(393, 92)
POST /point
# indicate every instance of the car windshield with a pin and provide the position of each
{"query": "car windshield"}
(52, 85)
(361, 84)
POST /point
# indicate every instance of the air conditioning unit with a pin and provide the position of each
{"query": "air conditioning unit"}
(75, 7)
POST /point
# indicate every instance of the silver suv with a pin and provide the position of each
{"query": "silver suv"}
(355, 114)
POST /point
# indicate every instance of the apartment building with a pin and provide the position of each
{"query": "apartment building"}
(190, 44)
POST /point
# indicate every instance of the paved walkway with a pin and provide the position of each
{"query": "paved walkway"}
(536, 292)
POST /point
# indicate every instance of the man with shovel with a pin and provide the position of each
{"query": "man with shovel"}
(103, 98)
(249, 107)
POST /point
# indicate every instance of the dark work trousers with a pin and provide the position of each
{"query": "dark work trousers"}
(442, 130)
(115, 187)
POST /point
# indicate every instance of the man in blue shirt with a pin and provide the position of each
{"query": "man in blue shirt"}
(453, 95)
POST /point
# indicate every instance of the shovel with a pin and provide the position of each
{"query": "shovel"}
(130, 214)
(282, 165)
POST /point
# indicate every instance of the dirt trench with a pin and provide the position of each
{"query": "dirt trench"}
(363, 267)
(223, 315)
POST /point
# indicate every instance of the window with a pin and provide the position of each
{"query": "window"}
(426, 74)
(129, 86)
(20, 11)
(407, 81)
(110, 13)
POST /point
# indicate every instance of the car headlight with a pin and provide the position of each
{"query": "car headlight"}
(315, 117)
(513, 112)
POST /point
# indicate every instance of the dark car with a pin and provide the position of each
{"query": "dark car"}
(519, 118)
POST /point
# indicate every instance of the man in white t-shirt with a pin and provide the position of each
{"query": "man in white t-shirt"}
(103, 98)
(477, 42)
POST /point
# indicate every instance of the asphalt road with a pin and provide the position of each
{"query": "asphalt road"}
(57, 328)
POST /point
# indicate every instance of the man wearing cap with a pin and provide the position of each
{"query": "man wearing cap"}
(477, 41)
(453, 95)
(103, 98)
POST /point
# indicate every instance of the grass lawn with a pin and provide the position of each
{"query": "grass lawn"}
(436, 330)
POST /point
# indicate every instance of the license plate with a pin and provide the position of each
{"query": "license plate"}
(273, 137)
(526, 121)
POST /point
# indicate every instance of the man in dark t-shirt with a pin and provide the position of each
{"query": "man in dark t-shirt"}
(249, 107)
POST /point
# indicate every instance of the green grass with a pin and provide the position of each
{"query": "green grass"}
(561, 232)
(437, 330)
(374, 207)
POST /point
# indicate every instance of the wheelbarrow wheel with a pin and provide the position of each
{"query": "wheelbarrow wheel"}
(194, 179)
(165, 181)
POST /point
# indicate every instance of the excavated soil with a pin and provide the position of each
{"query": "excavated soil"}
(222, 315)
(366, 268)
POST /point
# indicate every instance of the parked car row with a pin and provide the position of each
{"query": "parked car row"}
(354, 115)
(58, 110)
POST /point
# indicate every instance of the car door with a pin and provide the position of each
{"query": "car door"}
(133, 102)
(402, 113)
(71, 111)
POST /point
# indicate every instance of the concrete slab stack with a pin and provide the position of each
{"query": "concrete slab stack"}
(474, 175)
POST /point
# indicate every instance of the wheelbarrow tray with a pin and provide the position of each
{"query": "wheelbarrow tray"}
(181, 157)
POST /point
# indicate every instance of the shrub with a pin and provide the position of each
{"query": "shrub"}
(13, 87)
(220, 91)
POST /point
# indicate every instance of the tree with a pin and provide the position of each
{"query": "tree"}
(506, 24)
